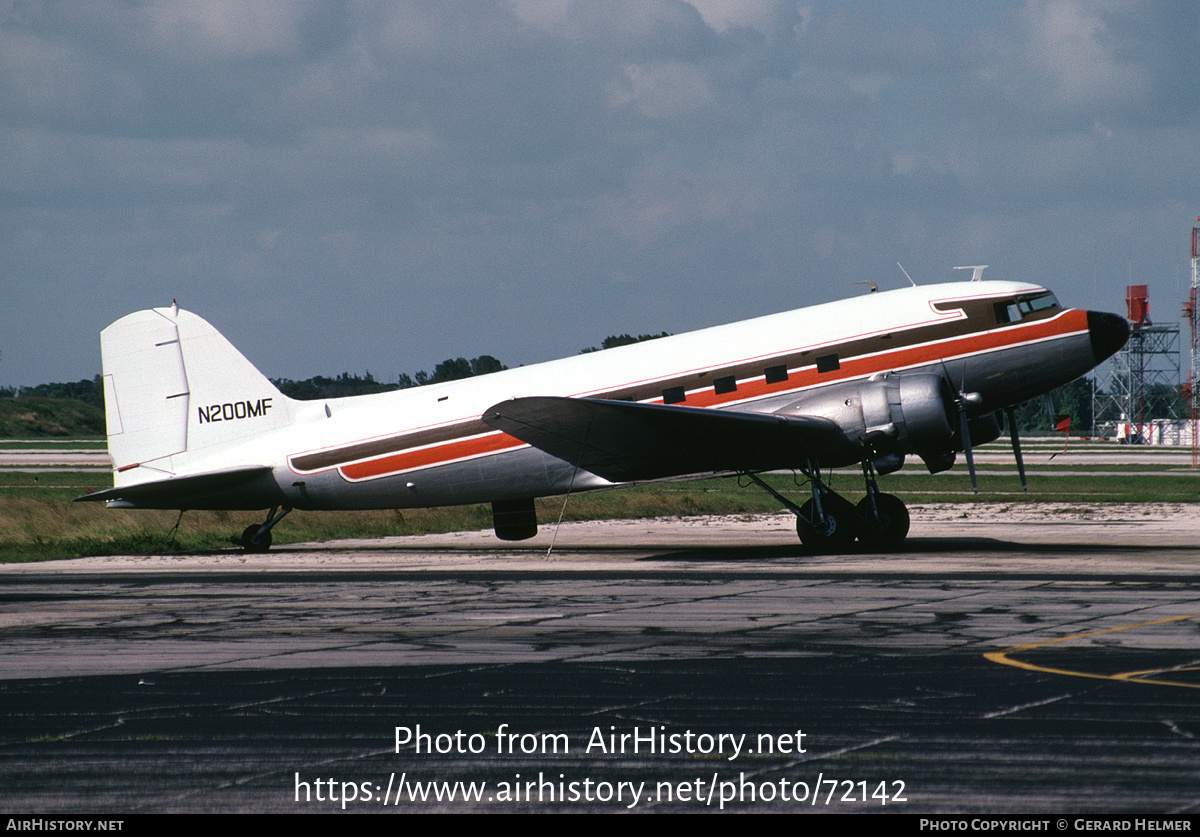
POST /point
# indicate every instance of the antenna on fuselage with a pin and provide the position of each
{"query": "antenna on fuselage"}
(906, 276)
(976, 270)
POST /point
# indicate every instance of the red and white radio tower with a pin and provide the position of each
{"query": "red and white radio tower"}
(1190, 313)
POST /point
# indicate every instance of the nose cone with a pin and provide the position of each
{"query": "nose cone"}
(1108, 332)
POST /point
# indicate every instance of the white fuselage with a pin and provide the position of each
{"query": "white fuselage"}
(427, 445)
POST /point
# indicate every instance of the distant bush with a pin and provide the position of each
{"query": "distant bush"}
(614, 340)
(319, 386)
(89, 392)
(31, 418)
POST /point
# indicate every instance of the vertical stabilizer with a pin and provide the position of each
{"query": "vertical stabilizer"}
(175, 390)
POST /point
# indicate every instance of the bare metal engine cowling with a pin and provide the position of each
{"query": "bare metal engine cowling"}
(889, 416)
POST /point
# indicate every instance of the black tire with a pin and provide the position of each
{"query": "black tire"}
(887, 533)
(253, 542)
(839, 531)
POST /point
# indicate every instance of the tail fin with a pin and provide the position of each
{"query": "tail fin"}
(175, 390)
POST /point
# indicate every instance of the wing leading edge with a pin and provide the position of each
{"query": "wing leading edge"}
(624, 441)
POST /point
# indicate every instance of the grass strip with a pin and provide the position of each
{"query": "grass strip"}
(39, 521)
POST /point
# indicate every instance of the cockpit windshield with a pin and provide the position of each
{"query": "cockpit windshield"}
(1041, 302)
(1014, 310)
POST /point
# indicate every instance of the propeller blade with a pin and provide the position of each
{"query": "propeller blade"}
(966, 440)
(960, 401)
(1013, 434)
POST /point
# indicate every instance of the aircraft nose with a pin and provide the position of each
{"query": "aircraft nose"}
(1109, 333)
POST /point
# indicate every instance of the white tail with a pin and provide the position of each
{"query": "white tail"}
(176, 391)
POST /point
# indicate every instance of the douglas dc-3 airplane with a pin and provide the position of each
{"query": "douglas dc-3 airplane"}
(925, 371)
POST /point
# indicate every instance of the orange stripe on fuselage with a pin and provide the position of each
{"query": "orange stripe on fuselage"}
(440, 454)
(1072, 321)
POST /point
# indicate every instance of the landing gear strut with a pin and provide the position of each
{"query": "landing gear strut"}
(257, 537)
(828, 523)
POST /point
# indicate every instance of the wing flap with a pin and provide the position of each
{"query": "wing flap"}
(623, 441)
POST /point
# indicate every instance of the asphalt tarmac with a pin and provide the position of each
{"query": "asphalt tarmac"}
(1010, 661)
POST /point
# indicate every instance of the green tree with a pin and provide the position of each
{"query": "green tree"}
(452, 369)
(1073, 399)
(89, 391)
(614, 340)
(319, 386)
(485, 365)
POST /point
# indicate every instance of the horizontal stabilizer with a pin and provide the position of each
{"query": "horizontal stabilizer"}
(180, 492)
(623, 441)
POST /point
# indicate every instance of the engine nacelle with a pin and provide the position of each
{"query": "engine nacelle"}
(889, 416)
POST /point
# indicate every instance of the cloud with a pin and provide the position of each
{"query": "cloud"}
(1072, 56)
(663, 91)
(223, 30)
(530, 175)
(723, 15)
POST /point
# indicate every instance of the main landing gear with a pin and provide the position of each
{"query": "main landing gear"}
(829, 523)
(257, 537)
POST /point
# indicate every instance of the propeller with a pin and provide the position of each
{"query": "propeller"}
(1015, 435)
(961, 399)
(975, 399)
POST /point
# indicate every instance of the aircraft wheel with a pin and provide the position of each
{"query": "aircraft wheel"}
(888, 532)
(253, 542)
(838, 532)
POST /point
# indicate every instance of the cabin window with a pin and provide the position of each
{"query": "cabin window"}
(775, 374)
(673, 395)
(828, 363)
(1007, 312)
(724, 385)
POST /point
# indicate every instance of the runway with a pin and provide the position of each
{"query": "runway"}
(1016, 660)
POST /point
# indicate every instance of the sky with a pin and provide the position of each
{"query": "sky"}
(346, 186)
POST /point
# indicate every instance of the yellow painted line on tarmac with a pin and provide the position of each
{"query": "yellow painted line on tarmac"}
(1147, 676)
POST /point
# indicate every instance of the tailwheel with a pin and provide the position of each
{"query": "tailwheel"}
(252, 541)
(885, 531)
(833, 535)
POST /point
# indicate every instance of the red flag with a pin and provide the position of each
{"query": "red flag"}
(1062, 424)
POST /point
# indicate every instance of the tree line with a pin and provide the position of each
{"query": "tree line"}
(320, 386)
(450, 369)
(89, 392)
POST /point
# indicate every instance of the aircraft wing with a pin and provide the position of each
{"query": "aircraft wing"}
(167, 492)
(623, 441)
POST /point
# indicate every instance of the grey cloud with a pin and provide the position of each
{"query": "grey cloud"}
(521, 178)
